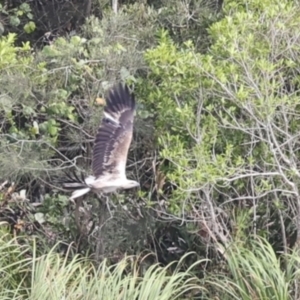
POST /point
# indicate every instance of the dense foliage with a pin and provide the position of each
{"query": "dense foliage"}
(215, 148)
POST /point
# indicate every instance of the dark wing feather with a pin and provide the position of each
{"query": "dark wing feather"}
(113, 138)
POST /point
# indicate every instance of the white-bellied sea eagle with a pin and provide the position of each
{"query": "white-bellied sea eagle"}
(110, 148)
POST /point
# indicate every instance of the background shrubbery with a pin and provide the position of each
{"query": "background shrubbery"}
(216, 149)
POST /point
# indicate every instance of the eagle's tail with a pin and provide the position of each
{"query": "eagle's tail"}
(80, 192)
(77, 184)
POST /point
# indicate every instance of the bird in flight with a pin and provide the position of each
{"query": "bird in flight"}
(110, 148)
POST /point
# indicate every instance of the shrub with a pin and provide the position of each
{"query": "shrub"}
(227, 120)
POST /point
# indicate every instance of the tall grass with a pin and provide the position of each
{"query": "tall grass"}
(250, 271)
(14, 267)
(255, 272)
(55, 276)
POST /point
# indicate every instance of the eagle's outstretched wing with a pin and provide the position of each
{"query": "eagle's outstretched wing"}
(115, 133)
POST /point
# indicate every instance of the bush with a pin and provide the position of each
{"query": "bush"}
(51, 118)
(226, 123)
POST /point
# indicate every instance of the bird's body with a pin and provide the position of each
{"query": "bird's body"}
(111, 148)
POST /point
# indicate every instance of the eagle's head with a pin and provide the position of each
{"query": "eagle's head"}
(129, 184)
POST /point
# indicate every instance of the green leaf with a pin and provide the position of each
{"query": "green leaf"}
(53, 130)
(14, 20)
(29, 27)
(30, 16)
(75, 40)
